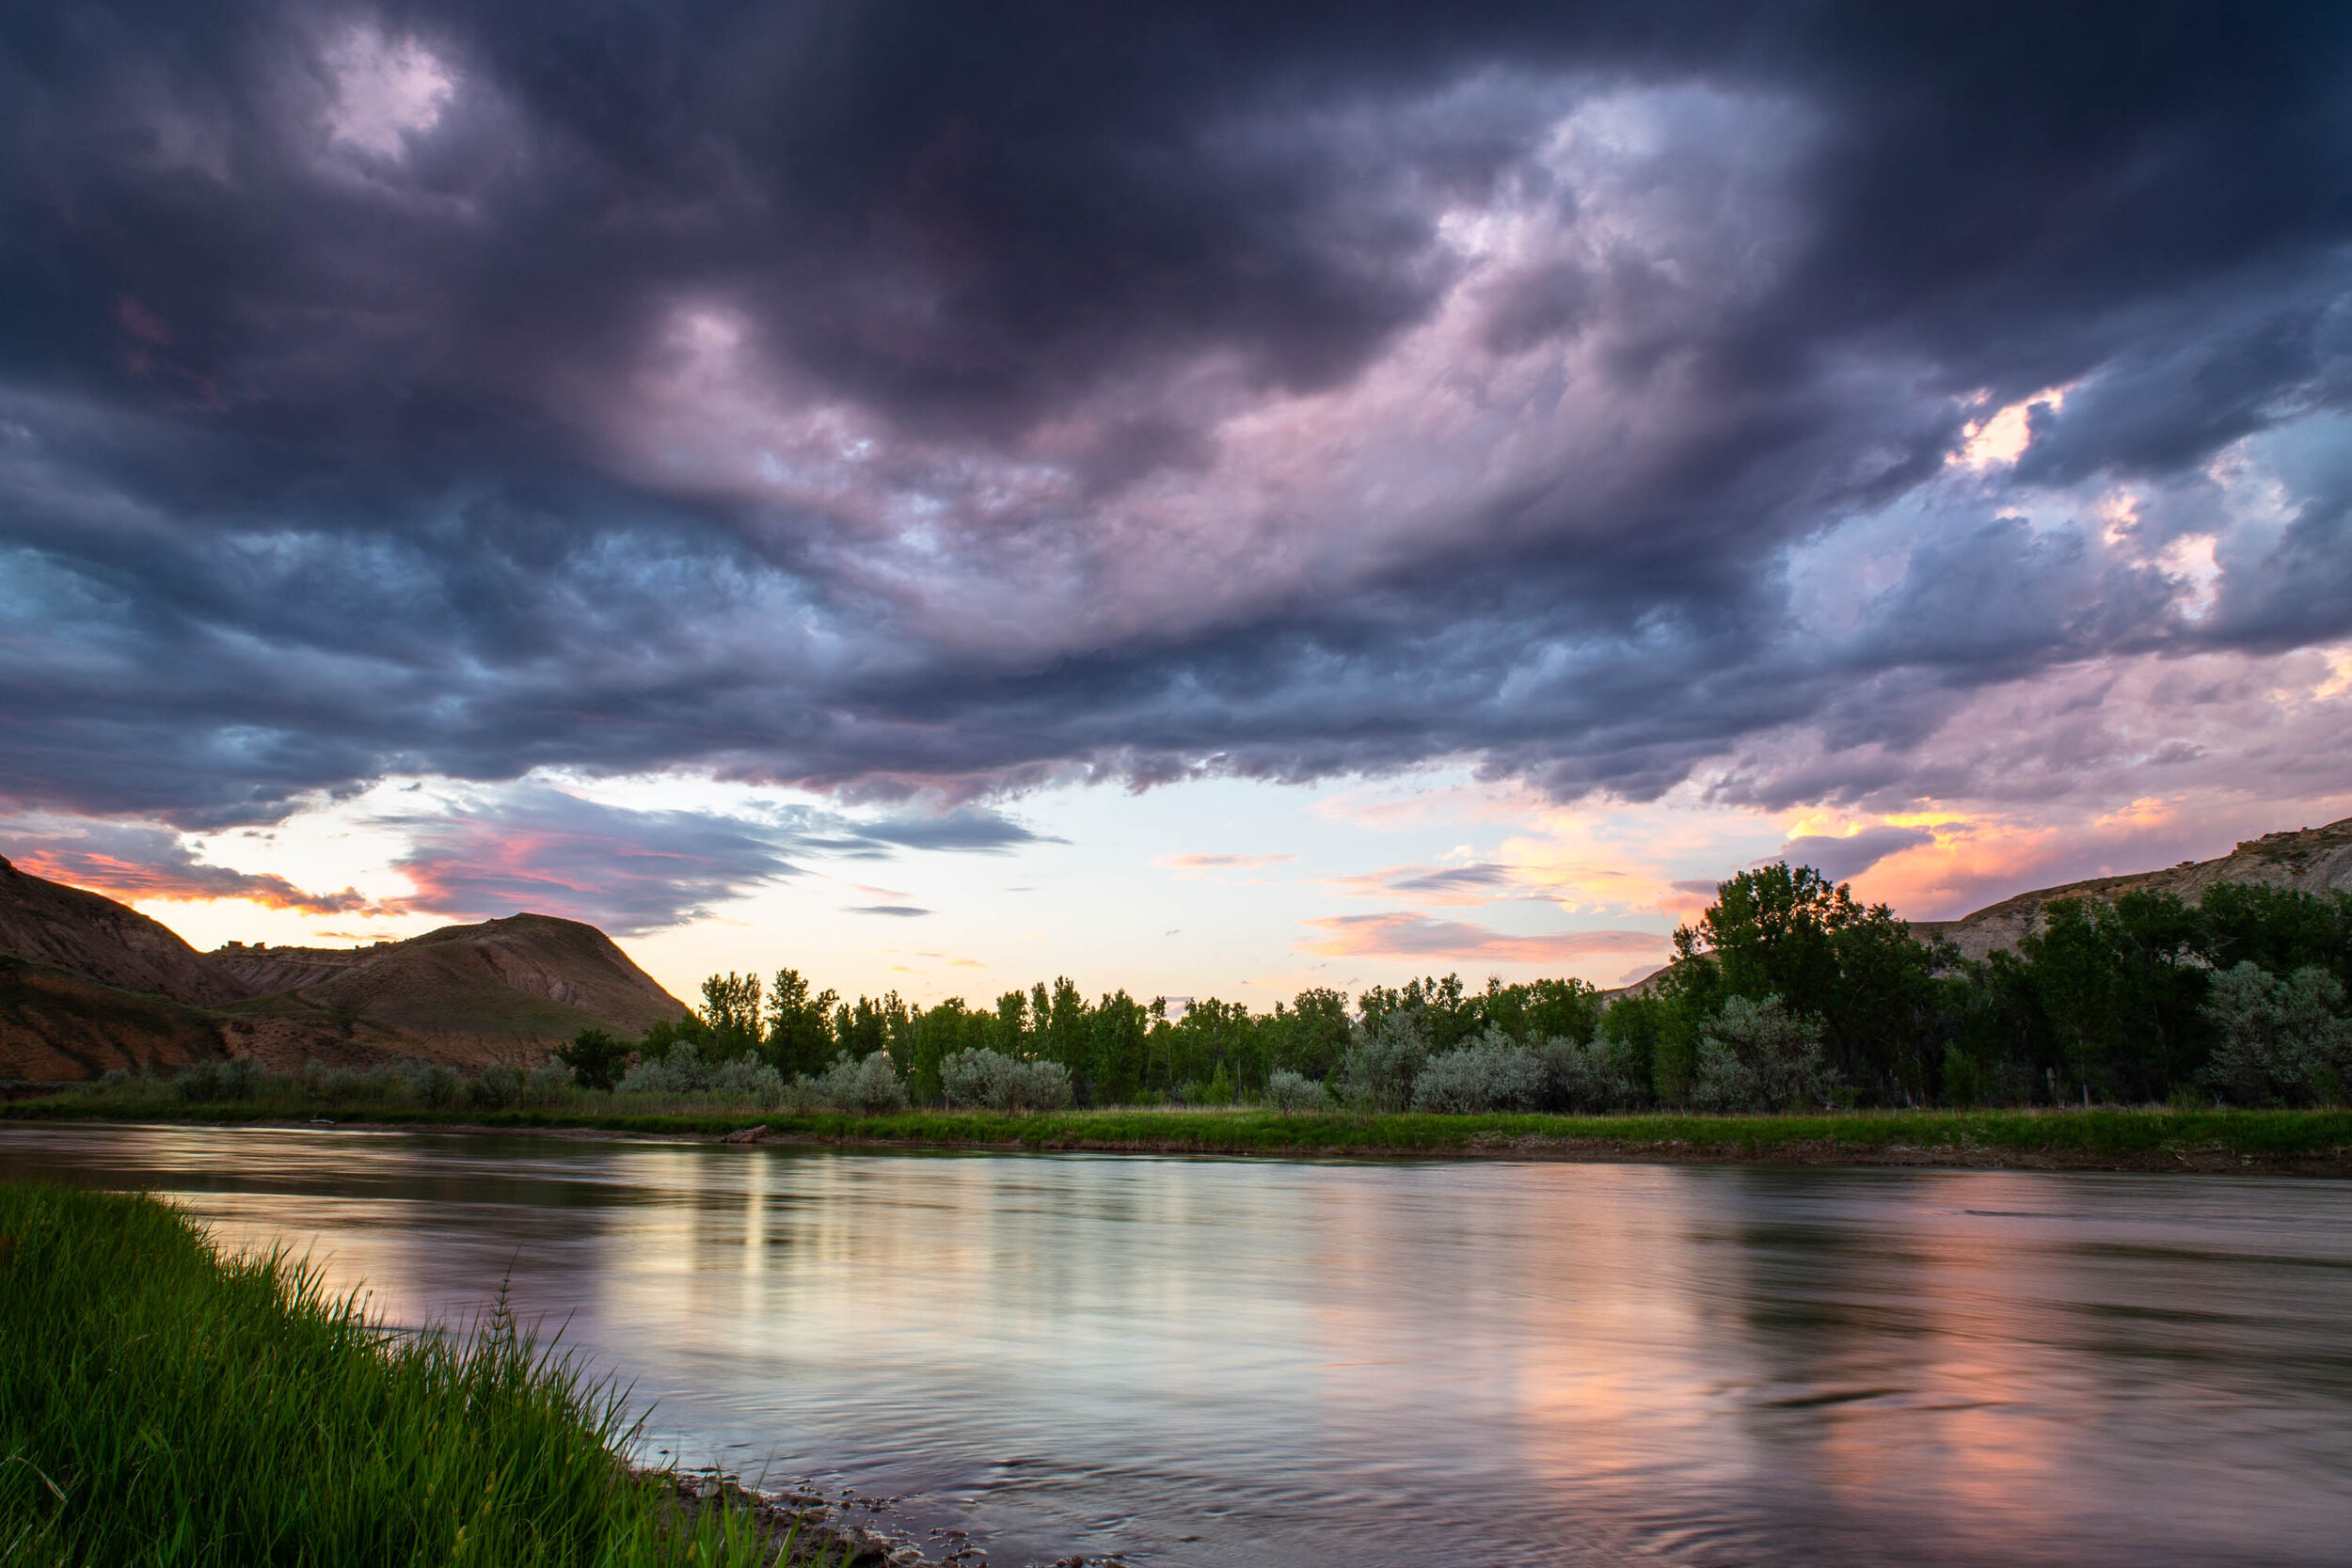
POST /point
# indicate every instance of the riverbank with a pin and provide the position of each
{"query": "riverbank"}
(2315, 1143)
(162, 1403)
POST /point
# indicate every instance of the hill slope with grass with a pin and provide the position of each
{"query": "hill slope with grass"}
(90, 934)
(523, 983)
(88, 985)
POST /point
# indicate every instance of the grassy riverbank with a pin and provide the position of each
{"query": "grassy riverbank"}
(162, 1404)
(2132, 1139)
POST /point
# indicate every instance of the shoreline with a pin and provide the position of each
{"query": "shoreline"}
(2316, 1144)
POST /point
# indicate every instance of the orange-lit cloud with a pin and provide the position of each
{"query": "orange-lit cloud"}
(1401, 934)
(184, 879)
(1191, 866)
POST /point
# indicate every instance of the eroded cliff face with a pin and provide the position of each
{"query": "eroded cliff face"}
(89, 934)
(2313, 860)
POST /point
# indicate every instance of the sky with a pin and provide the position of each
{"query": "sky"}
(1206, 500)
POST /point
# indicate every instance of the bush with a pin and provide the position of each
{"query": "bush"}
(868, 1086)
(546, 1085)
(2281, 1039)
(748, 1079)
(435, 1085)
(1379, 1071)
(498, 1088)
(1495, 1074)
(1291, 1092)
(681, 1071)
(240, 1078)
(1002, 1082)
(1602, 1074)
(1756, 1056)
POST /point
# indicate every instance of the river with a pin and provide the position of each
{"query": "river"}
(1212, 1362)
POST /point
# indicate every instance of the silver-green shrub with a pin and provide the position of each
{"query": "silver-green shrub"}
(435, 1085)
(497, 1088)
(681, 1071)
(868, 1086)
(239, 1078)
(1757, 1056)
(1377, 1072)
(747, 1080)
(1291, 1091)
(2281, 1039)
(1003, 1082)
(1494, 1074)
(546, 1085)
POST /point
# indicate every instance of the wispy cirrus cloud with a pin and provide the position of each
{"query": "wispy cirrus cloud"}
(1414, 938)
(1484, 882)
(1197, 865)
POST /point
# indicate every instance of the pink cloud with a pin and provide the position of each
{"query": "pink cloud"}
(1191, 866)
(1400, 934)
(177, 876)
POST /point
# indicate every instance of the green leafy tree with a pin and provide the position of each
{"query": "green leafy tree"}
(731, 1012)
(799, 1025)
(595, 1058)
(2278, 929)
(1121, 1029)
(1009, 1036)
(1311, 1037)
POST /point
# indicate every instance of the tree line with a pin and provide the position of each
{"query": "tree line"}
(1786, 993)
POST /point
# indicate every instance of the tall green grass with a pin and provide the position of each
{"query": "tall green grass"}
(163, 1404)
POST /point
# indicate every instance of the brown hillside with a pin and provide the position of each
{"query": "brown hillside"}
(57, 1026)
(90, 934)
(2314, 860)
(512, 987)
(88, 985)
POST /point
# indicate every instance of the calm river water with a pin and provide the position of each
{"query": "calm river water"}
(1225, 1362)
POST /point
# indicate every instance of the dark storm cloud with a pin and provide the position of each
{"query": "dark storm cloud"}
(549, 852)
(1839, 858)
(635, 871)
(902, 400)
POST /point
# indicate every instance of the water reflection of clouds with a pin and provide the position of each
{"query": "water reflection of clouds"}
(1319, 1362)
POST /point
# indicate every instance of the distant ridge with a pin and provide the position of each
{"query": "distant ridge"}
(529, 974)
(2313, 860)
(88, 985)
(90, 934)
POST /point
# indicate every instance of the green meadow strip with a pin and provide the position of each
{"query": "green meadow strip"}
(162, 1404)
(2122, 1134)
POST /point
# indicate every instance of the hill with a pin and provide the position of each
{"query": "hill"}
(88, 985)
(2314, 860)
(526, 981)
(89, 934)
